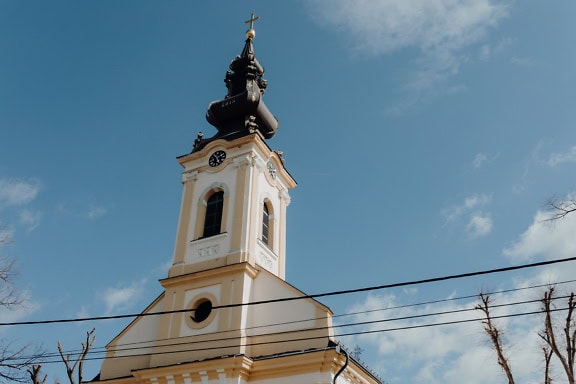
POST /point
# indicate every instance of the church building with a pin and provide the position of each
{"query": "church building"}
(227, 314)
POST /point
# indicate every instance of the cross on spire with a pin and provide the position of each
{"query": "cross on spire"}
(252, 20)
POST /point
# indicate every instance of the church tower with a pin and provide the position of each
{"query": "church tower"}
(227, 315)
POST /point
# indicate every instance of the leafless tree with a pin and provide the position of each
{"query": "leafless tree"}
(74, 362)
(14, 359)
(563, 348)
(71, 364)
(8, 294)
(495, 336)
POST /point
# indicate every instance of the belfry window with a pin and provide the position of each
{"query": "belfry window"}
(213, 219)
(265, 225)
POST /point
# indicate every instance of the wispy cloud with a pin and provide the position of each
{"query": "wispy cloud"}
(482, 159)
(83, 312)
(485, 52)
(403, 343)
(523, 61)
(27, 307)
(479, 160)
(479, 225)
(420, 353)
(120, 298)
(545, 239)
(6, 235)
(96, 212)
(29, 219)
(17, 192)
(439, 29)
(558, 158)
(82, 209)
(471, 202)
(488, 50)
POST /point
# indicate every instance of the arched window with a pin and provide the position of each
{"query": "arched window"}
(213, 219)
(265, 225)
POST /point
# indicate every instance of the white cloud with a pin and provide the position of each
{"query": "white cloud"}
(476, 200)
(15, 195)
(558, 158)
(485, 52)
(96, 212)
(165, 267)
(419, 354)
(81, 209)
(120, 298)
(479, 160)
(19, 312)
(451, 353)
(523, 61)
(439, 29)
(462, 353)
(488, 50)
(29, 219)
(82, 313)
(5, 236)
(482, 159)
(479, 225)
(456, 211)
(17, 192)
(549, 240)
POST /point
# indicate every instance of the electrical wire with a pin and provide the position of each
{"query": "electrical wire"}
(314, 296)
(338, 326)
(94, 350)
(365, 332)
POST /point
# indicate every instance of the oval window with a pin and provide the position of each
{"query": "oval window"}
(202, 309)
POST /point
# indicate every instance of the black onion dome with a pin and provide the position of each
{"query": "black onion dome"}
(242, 112)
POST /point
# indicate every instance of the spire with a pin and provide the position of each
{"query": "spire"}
(242, 112)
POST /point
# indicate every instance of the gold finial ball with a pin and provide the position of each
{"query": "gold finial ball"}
(251, 33)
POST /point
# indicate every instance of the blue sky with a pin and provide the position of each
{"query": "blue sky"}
(425, 135)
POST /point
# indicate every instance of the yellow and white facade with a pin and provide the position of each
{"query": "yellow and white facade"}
(251, 177)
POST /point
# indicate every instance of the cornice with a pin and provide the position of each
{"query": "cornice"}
(211, 274)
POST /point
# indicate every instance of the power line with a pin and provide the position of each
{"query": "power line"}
(457, 298)
(159, 344)
(401, 328)
(286, 299)
(363, 312)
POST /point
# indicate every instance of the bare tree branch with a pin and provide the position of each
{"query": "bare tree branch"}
(35, 374)
(4, 237)
(79, 362)
(549, 336)
(494, 335)
(14, 361)
(547, 357)
(560, 208)
(8, 295)
(570, 334)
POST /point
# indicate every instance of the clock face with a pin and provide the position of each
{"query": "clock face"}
(217, 158)
(271, 169)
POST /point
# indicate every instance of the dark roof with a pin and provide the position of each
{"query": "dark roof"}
(242, 111)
